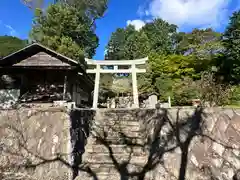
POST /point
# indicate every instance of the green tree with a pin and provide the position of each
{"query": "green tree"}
(115, 47)
(66, 30)
(230, 66)
(184, 91)
(136, 46)
(203, 45)
(161, 36)
(164, 86)
(199, 41)
(162, 70)
(117, 44)
(94, 8)
(157, 36)
(174, 66)
(9, 44)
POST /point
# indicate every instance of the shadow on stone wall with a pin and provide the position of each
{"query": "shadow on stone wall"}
(80, 130)
(171, 144)
(43, 143)
(35, 144)
(120, 144)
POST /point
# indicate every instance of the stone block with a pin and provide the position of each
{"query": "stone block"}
(233, 137)
(217, 162)
(218, 148)
(232, 159)
(117, 149)
(235, 122)
(222, 123)
(105, 158)
(219, 135)
(209, 122)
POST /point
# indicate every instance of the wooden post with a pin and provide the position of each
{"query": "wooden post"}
(134, 86)
(169, 102)
(96, 87)
(24, 85)
(65, 88)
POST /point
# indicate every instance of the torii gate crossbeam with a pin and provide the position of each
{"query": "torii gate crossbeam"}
(133, 70)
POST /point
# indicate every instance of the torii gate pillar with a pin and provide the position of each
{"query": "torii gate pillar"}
(133, 70)
(134, 86)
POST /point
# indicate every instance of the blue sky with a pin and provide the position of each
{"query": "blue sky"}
(16, 19)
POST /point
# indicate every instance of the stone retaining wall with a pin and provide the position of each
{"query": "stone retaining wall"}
(201, 144)
(210, 144)
(161, 143)
(35, 138)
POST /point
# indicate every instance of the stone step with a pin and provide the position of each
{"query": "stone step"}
(118, 117)
(110, 167)
(116, 141)
(119, 123)
(105, 158)
(111, 174)
(117, 134)
(100, 175)
(120, 128)
(120, 149)
(108, 176)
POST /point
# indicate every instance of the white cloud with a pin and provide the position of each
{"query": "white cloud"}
(12, 31)
(138, 24)
(198, 13)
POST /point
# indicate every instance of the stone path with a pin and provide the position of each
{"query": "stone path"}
(106, 152)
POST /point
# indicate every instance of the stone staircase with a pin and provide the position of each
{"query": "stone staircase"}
(115, 145)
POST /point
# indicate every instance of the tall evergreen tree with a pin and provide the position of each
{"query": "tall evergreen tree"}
(115, 47)
(231, 40)
(161, 36)
(65, 29)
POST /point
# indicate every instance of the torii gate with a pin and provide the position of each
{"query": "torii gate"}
(115, 63)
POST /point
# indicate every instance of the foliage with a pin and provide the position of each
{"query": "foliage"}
(203, 45)
(174, 66)
(176, 59)
(171, 55)
(199, 41)
(137, 46)
(9, 44)
(213, 92)
(231, 42)
(115, 47)
(164, 86)
(184, 91)
(117, 44)
(66, 30)
(170, 66)
(161, 36)
(145, 83)
(235, 95)
(122, 85)
(181, 91)
(94, 8)
(128, 43)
